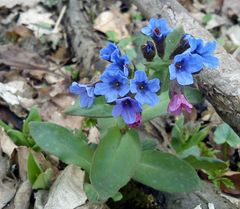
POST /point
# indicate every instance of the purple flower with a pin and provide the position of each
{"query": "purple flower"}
(86, 94)
(204, 51)
(157, 28)
(127, 108)
(118, 63)
(112, 85)
(106, 52)
(145, 89)
(183, 66)
(177, 103)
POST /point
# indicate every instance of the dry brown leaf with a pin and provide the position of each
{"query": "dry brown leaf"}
(7, 185)
(20, 158)
(18, 95)
(11, 3)
(50, 112)
(22, 197)
(94, 135)
(231, 7)
(235, 177)
(18, 32)
(34, 17)
(113, 20)
(19, 58)
(234, 34)
(6, 143)
(67, 191)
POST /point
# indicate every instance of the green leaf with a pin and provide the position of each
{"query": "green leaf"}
(33, 116)
(114, 162)
(43, 180)
(206, 18)
(99, 109)
(124, 42)
(171, 42)
(194, 150)
(157, 64)
(105, 123)
(16, 136)
(197, 137)
(225, 134)
(92, 194)
(63, 143)
(111, 36)
(117, 197)
(148, 144)
(163, 76)
(161, 108)
(177, 134)
(206, 163)
(33, 168)
(166, 172)
(193, 95)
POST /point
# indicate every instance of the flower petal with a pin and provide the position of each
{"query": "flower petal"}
(154, 85)
(184, 78)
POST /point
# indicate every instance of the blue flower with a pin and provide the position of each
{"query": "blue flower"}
(118, 63)
(157, 28)
(128, 108)
(86, 94)
(183, 66)
(145, 89)
(106, 52)
(112, 85)
(204, 51)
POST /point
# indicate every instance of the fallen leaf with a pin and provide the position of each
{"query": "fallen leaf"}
(19, 31)
(235, 177)
(22, 197)
(20, 158)
(11, 3)
(231, 8)
(16, 57)
(6, 143)
(211, 206)
(234, 34)
(94, 135)
(198, 207)
(7, 185)
(67, 191)
(37, 19)
(112, 20)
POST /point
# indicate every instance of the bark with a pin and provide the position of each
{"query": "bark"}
(222, 86)
(84, 42)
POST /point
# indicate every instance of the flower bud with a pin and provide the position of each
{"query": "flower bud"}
(148, 51)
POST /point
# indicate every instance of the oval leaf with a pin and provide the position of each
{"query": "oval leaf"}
(206, 163)
(100, 109)
(114, 162)
(193, 95)
(171, 42)
(166, 172)
(63, 143)
(225, 134)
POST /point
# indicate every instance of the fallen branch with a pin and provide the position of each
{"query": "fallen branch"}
(222, 86)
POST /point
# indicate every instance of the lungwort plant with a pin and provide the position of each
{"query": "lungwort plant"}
(124, 98)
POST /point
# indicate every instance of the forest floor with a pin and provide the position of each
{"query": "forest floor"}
(38, 63)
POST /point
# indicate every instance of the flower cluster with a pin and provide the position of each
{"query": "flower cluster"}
(129, 89)
(193, 55)
(128, 94)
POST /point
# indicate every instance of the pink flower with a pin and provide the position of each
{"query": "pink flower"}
(177, 103)
(137, 122)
